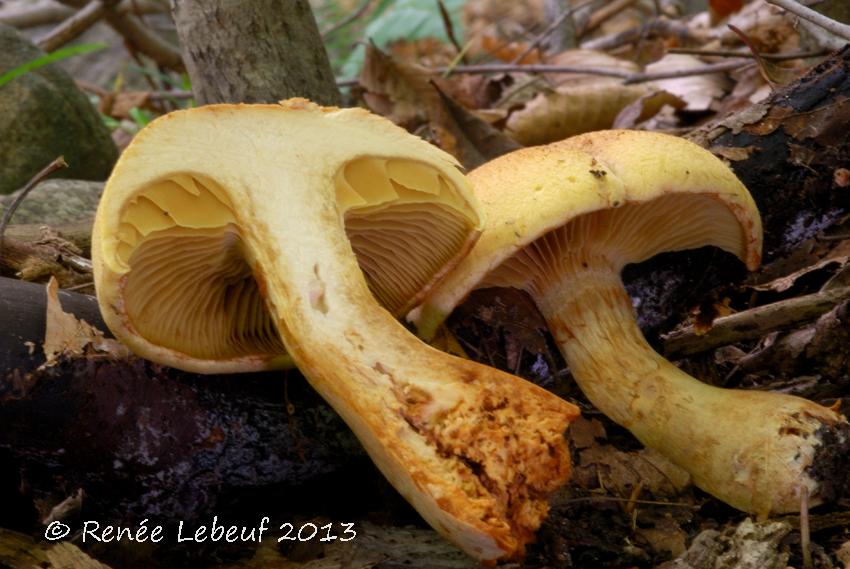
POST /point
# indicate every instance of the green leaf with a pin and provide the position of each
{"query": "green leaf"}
(405, 19)
(57, 55)
(139, 116)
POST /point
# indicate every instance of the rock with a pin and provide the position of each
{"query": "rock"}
(43, 115)
(56, 202)
(749, 546)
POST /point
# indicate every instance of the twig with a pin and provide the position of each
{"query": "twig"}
(754, 323)
(618, 499)
(535, 68)
(347, 20)
(144, 40)
(805, 537)
(72, 27)
(551, 28)
(762, 66)
(660, 26)
(628, 77)
(44, 14)
(689, 72)
(747, 54)
(450, 31)
(138, 36)
(79, 286)
(830, 25)
(10, 210)
(605, 13)
(31, 16)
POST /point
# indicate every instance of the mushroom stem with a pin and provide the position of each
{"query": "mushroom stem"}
(755, 450)
(475, 450)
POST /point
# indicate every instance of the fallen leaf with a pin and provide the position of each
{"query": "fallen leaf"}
(621, 472)
(411, 95)
(646, 107)
(590, 58)
(720, 9)
(571, 110)
(843, 554)
(584, 433)
(700, 92)
(666, 536)
(474, 141)
(733, 153)
(395, 89)
(65, 335)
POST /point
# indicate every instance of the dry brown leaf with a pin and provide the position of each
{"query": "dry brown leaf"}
(68, 336)
(720, 9)
(395, 89)
(733, 153)
(646, 107)
(474, 141)
(700, 92)
(587, 58)
(585, 433)
(572, 103)
(571, 110)
(843, 554)
(409, 95)
(621, 472)
(666, 536)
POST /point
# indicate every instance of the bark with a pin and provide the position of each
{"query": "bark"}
(143, 440)
(257, 51)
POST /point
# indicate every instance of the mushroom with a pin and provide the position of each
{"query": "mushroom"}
(230, 231)
(561, 222)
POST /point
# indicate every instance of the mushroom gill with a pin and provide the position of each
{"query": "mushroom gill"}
(405, 222)
(631, 233)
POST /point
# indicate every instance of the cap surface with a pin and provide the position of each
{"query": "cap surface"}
(532, 191)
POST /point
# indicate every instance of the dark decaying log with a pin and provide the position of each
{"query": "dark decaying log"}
(142, 440)
(792, 151)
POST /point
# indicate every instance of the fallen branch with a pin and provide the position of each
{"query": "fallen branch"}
(688, 72)
(50, 13)
(149, 441)
(30, 16)
(657, 26)
(748, 54)
(138, 36)
(753, 323)
(78, 233)
(551, 28)
(605, 13)
(38, 261)
(57, 163)
(627, 76)
(830, 25)
(74, 26)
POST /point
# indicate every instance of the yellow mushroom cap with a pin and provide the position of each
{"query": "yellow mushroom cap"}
(530, 192)
(174, 280)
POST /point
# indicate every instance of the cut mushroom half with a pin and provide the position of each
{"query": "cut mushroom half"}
(228, 232)
(562, 222)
